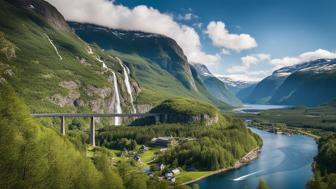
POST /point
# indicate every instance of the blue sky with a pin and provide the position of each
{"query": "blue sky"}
(295, 29)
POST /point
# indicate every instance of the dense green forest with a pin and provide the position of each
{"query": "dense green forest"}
(325, 168)
(211, 148)
(33, 156)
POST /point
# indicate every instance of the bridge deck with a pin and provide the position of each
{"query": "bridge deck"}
(94, 115)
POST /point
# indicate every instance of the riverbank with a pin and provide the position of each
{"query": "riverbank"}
(252, 155)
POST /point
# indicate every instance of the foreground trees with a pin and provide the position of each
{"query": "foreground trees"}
(36, 157)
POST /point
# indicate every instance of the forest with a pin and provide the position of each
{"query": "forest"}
(211, 148)
(33, 156)
(325, 167)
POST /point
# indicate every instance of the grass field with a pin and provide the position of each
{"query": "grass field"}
(187, 176)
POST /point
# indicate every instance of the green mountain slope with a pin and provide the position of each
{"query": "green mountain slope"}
(156, 61)
(51, 67)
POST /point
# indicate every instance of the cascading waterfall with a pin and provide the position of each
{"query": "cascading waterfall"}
(118, 110)
(55, 48)
(127, 83)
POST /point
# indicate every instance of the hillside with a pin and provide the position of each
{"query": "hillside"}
(215, 86)
(311, 83)
(51, 68)
(55, 71)
(156, 61)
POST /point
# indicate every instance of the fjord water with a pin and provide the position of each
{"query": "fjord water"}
(284, 162)
(254, 108)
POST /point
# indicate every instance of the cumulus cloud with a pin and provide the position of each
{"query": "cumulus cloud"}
(247, 62)
(304, 57)
(221, 37)
(143, 18)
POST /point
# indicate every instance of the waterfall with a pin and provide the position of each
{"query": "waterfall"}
(118, 110)
(55, 48)
(127, 83)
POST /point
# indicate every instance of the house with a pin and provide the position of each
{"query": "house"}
(162, 166)
(176, 171)
(137, 158)
(164, 141)
(169, 175)
(143, 148)
(172, 179)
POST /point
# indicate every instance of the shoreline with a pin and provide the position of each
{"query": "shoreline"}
(250, 156)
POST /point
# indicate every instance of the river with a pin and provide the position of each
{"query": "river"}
(284, 162)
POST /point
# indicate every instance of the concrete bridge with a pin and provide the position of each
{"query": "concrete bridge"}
(92, 134)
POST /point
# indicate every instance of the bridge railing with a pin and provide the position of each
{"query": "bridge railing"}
(92, 122)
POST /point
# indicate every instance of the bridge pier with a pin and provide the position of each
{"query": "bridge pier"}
(62, 129)
(92, 132)
(165, 118)
(157, 118)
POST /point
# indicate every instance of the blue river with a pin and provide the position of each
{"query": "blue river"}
(284, 162)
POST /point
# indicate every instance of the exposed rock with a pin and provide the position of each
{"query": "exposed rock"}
(64, 100)
(184, 118)
(100, 92)
(71, 85)
(7, 48)
(143, 108)
(78, 102)
(44, 9)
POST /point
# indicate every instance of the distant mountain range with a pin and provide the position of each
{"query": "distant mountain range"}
(235, 85)
(311, 83)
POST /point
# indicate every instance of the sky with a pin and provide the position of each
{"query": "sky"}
(241, 39)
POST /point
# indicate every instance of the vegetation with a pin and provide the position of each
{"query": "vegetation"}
(319, 118)
(205, 148)
(325, 169)
(33, 156)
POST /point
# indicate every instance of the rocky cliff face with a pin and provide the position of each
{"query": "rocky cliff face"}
(44, 9)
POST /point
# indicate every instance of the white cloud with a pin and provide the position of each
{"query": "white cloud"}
(247, 62)
(304, 57)
(143, 18)
(187, 16)
(221, 37)
(243, 71)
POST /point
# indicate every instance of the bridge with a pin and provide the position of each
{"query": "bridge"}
(92, 134)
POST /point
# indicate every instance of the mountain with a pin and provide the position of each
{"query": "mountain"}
(244, 93)
(54, 70)
(235, 85)
(311, 83)
(156, 62)
(215, 86)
